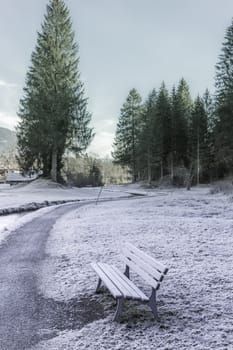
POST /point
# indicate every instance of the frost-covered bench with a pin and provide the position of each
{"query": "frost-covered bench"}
(120, 285)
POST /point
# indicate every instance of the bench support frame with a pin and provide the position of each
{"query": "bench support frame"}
(126, 273)
(153, 305)
(120, 302)
(98, 285)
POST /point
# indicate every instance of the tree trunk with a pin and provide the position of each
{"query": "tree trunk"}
(161, 169)
(46, 160)
(189, 180)
(148, 168)
(54, 166)
(198, 160)
(172, 167)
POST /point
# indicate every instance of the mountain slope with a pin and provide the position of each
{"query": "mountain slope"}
(7, 138)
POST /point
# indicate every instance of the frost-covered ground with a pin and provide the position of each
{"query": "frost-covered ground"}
(41, 193)
(10, 223)
(189, 231)
(42, 190)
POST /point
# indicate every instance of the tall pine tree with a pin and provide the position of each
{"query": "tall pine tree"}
(199, 138)
(181, 119)
(224, 103)
(53, 111)
(126, 143)
(146, 140)
(162, 130)
(211, 128)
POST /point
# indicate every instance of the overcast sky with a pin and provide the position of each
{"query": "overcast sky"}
(122, 44)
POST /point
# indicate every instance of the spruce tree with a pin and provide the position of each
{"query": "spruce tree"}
(172, 156)
(146, 140)
(155, 138)
(210, 110)
(126, 143)
(181, 119)
(224, 103)
(53, 111)
(162, 130)
(211, 128)
(199, 138)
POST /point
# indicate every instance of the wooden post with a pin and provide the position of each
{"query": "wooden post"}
(97, 199)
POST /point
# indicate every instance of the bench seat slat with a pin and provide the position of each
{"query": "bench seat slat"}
(133, 291)
(143, 265)
(158, 265)
(155, 284)
(107, 281)
(142, 295)
(124, 288)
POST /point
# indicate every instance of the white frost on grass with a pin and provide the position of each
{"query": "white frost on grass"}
(10, 223)
(39, 191)
(189, 231)
(7, 220)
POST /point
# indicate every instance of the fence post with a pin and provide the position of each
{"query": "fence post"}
(100, 191)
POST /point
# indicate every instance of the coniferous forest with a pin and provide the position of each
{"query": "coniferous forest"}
(172, 137)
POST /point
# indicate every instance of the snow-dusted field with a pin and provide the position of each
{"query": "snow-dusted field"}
(44, 190)
(189, 231)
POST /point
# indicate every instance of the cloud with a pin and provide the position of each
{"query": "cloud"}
(103, 124)
(102, 144)
(4, 83)
(8, 120)
(9, 100)
(104, 129)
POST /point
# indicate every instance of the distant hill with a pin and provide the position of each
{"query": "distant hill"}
(7, 138)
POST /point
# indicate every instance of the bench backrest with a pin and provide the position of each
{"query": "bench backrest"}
(151, 270)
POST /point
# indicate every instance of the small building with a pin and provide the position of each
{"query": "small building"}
(3, 174)
(15, 177)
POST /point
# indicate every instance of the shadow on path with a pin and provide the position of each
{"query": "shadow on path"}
(53, 316)
(26, 317)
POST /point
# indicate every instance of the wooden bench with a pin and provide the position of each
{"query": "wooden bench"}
(120, 285)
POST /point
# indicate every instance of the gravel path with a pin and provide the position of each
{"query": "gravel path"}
(25, 316)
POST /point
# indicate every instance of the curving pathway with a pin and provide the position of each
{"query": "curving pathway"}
(25, 316)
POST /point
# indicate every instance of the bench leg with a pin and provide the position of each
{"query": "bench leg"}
(152, 304)
(120, 302)
(98, 285)
(126, 273)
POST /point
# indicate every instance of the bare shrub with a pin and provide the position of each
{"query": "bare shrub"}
(224, 186)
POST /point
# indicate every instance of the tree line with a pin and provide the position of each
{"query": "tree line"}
(171, 135)
(168, 135)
